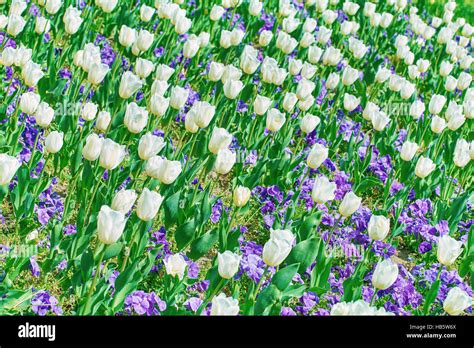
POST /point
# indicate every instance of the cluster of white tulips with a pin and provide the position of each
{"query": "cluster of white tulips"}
(256, 139)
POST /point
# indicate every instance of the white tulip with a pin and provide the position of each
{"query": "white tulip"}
(110, 225)
(29, 102)
(232, 88)
(461, 154)
(275, 120)
(323, 190)
(129, 84)
(72, 20)
(385, 274)
(8, 167)
(424, 167)
(456, 301)
(241, 196)
(309, 123)
(378, 227)
(350, 102)
(350, 204)
(136, 118)
(149, 146)
(111, 154)
(261, 104)
(103, 121)
(318, 154)
(54, 142)
(93, 147)
(222, 305)
(44, 115)
(148, 204)
(89, 111)
(179, 96)
(175, 265)
(228, 264)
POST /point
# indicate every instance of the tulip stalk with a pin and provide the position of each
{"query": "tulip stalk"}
(94, 282)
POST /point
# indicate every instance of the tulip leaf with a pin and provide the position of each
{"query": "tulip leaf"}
(203, 244)
(184, 234)
(431, 296)
(112, 250)
(304, 253)
(266, 299)
(283, 277)
(171, 207)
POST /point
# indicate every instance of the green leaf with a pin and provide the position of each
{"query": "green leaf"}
(265, 300)
(202, 245)
(283, 277)
(185, 233)
(112, 250)
(431, 296)
(171, 206)
(304, 253)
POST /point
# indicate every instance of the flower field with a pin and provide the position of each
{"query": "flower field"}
(197, 157)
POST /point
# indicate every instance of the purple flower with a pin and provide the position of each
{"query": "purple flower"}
(42, 303)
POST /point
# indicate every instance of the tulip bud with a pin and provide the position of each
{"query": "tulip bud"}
(228, 264)
(289, 101)
(225, 161)
(31, 73)
(148, 204)
(445, 68)
(370, 110)
(149, 146)
(44, 114)
(54, 142)
(294, 66)
(146, 12)
(143, 68)
(16, 24)
(436, 104)
(350, 102)
(241, 196)
(129, 84)
(222, 305)
(89, 111)
(175, 265)
(8, 167)
(8, 56)
(103, 121)
(424, 167)
(29, 102)
(124, 200)
(448, 250)
(261, 104)
(317, 155)
(204, 113)
(159, 104)
(461, 155)
(286, 43)
(417, 108)
(437, 124)
(349, 76)
(275, 120)
(408, 150)
(265, 38)
(329, 16)
(276, 250)
(127, 36)
(110, 225)
(382, 75)
(385, 274)
(232, 88)
(42, 25)
(255, 7)
(323, 190)
(456, 301)
(309, 123)
(231, 73)
(72, 20)
(136, 118)
(53, 6)
(191, 46)
(111, 154)
(220, 139)
(332, 81)
(350, 204)
(215, 71)
(456, 121)
(464, 81)
(304, 89)
(93, 147)
(380, 121)
(204, 38)
(323, 35)
(378, 227)
(144, 40)
(163, 170)
(216, 13)
(309, 25)
(179, 96)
